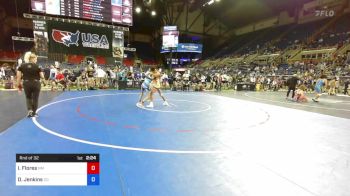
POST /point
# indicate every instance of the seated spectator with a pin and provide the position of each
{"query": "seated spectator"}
(61, 80)
(71, 80)
(83, 81)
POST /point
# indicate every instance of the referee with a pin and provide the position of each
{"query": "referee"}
(31, 74)
(292, 83)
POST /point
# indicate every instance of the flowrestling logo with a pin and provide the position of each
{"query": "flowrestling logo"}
(88, 40)
(324, 13)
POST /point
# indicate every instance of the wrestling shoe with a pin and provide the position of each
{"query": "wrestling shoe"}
(139, 104)
(165, 103)
(314, 100)
(150, 105)
(30, 114)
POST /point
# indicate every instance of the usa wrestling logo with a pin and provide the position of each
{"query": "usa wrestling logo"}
(65, 37)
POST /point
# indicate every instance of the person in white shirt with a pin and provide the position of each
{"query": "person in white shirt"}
(113, 76)
(203, 79)
(186, 76)
(164, 79)
(52, 77)
(274, 84)
(2, 73)
(268, 83)
(53, 72)
(252, 79)
(100, 75)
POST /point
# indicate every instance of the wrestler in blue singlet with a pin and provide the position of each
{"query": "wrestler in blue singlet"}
(146, 83)
(318, 87)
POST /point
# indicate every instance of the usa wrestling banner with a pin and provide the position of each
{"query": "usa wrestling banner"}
(72, 38)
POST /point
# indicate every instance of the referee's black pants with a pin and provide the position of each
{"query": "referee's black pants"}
(32, 91)
(291, 88)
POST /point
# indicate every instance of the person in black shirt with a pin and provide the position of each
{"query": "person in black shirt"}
(91, 79)
(71, 80)
(346, 86)
(47, 73)
(31, 74)
(292, 83)
(171, 81)
(83, 81)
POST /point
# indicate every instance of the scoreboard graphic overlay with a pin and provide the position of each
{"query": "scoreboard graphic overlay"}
(57, 169)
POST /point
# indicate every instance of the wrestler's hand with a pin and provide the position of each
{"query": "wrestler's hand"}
(20, 88)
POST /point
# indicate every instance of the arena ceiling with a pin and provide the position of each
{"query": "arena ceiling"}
(232, 13)
(237, 13)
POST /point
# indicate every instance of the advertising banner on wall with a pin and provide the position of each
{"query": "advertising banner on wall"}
(40, 38)
(118, 44)
(72, 38)
(185, 47)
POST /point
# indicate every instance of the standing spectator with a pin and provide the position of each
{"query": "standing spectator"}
(165, 80)
(268, 82)
(2, 75)
(337, 85)
(53, 72)
(171, 82)
(219, 82)
(129, 79)
(83, 81)
(186, 81)
(91, 75)
(203, 79)
(113, 78)
(208, 81)
(52, 77)
(46, 72)
(332, 84)
(274, 84)
(346, 86)
(101, 75)
(109, 78)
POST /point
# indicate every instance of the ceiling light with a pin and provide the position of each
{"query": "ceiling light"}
(210, 2)
(138, 10)
(153, 13)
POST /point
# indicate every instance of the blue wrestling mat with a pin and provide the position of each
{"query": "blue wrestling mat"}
(199, 145)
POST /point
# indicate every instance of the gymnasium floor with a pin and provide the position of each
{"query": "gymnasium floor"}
(246, 143)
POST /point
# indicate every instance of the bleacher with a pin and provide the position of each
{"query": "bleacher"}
(285, 44)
